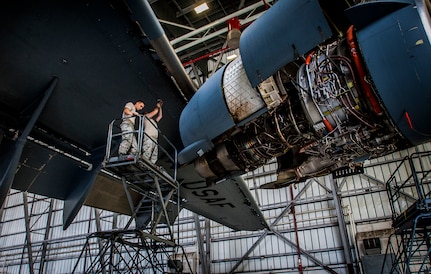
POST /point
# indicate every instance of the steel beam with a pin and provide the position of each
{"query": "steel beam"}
(222, 20)
(99, 241)
(341, 224)
(208, 245)
(274, 223)
(28, 233)
(306, 253)
(202, 257)
(262, 236)
(46, 236)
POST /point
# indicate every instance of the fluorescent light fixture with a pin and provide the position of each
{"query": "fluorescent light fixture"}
(232, 54)
(231, 57)
(202, 7)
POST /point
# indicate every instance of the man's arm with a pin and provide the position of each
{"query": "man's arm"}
(156, 110)
(152, 113)
(159, 115)
(129, 112)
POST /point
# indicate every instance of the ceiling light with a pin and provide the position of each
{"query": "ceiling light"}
(231, 57)
(232, 54)
(202, 7)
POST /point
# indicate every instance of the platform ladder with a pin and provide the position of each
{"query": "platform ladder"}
(152, 191)
(409, 192)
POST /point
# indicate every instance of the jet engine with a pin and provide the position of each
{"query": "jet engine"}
(321, 110)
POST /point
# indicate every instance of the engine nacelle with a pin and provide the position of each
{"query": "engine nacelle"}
(230, 99)
(330, 109)
(241, 140)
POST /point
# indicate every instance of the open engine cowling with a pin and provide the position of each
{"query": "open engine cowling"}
(320, 111)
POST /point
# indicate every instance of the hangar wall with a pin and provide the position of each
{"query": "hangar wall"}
(314, 231)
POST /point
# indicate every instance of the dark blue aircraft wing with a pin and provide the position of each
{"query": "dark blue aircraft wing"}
(229, 202)
(66, 70)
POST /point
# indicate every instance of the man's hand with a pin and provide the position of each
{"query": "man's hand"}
(159, 103)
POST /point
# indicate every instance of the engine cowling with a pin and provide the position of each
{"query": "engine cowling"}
(334, 107)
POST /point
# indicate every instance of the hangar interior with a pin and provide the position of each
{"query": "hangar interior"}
(378, 219)
(323, 225)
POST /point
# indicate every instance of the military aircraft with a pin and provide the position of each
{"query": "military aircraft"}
(319, 96)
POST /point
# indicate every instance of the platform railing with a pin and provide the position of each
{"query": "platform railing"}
(409, 194)
(115, 135)
(137, 171)
(410, 183)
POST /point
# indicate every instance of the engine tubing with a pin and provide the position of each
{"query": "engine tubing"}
(361, 73)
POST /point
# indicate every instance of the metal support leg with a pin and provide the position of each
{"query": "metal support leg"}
(130, 200)
(164, 204)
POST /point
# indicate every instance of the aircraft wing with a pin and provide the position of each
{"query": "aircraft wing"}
(67, 69)
(229, 203)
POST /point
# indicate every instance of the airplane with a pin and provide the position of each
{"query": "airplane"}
(316, 91)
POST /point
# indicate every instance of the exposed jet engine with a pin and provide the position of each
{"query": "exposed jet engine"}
(317, 109)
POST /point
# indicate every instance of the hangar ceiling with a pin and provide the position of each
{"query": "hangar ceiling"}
(194, 35)
(198, 36)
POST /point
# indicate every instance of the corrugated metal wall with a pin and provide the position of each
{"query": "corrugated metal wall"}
(363, 199)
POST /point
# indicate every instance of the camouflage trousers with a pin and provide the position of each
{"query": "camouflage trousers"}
(128, 141)
(150, 149)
